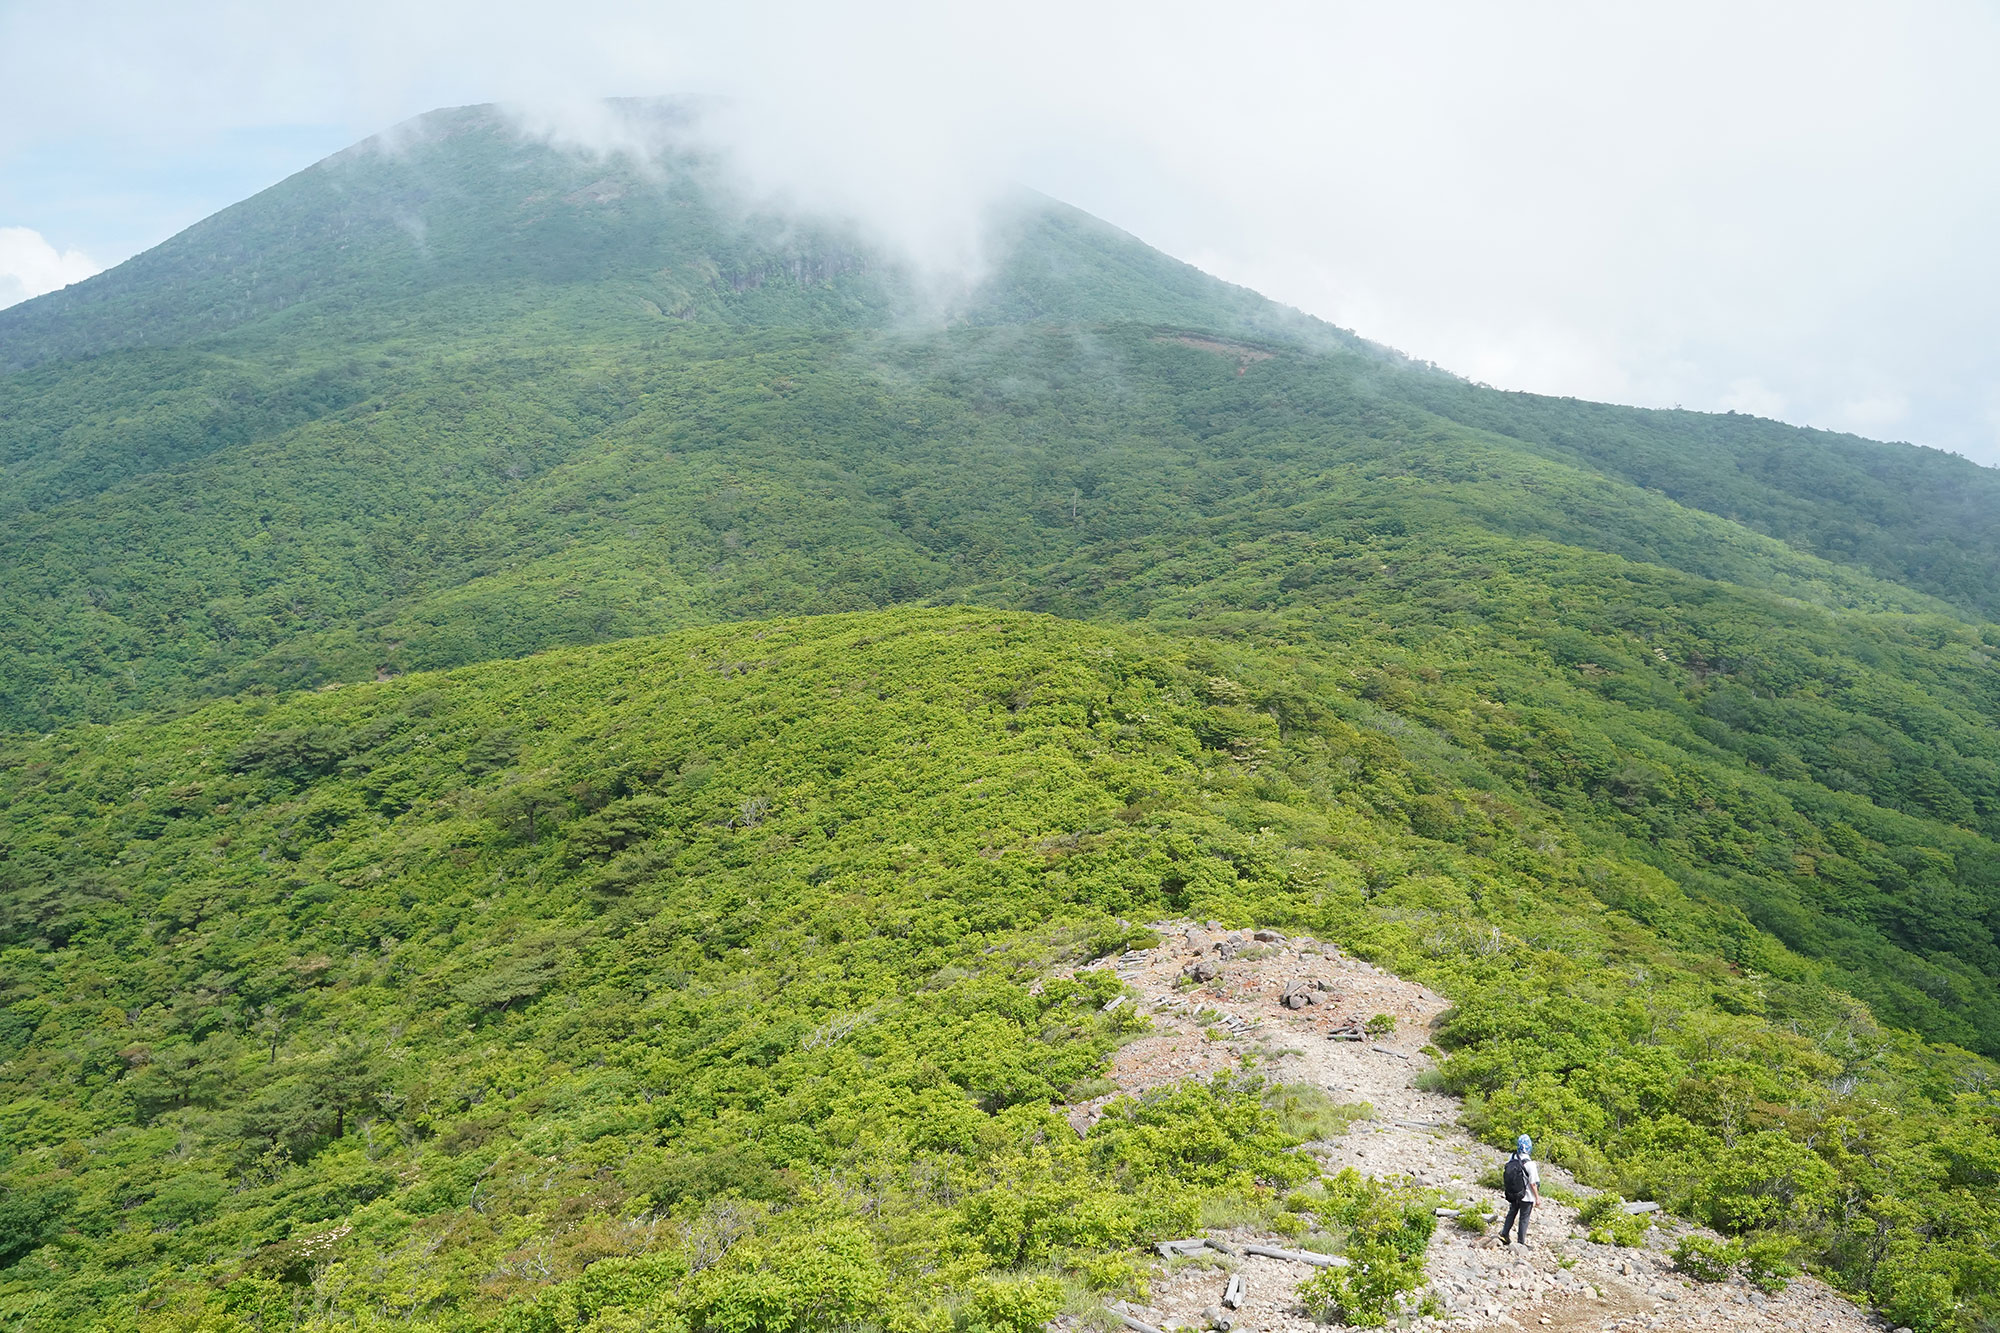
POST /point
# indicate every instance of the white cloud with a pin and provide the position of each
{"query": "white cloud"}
(1874, 414)
(1754, 397)
(29, 265)
(1725, 203)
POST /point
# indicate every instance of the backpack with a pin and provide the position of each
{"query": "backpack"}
(1515, 1178)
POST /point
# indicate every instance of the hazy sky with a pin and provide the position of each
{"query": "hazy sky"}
(1786, 209)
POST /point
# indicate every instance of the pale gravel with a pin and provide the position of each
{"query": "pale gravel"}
(1561, 1282)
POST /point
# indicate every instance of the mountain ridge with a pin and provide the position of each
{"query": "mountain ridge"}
(704, 969)
(586, 675)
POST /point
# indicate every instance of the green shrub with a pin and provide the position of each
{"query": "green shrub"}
(186, 1199)
(1600, 1208)
(1051, 1204)
(1289, 1225)
(1920, 1295)
(828, 1278)
(1388, 1231)
(1020, 1305)
(1767, 1262)
(1706, 1260)
(1113, 939)
(1764, 1261)
(1104, 1272)
(29, 1218)
(619, 1292)
(1764, 1180)
(1213, 1134)
(1370, 1208)
(1363, 1294)
(1381, 1025)
(1622, 1229)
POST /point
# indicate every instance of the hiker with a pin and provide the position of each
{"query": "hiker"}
(1523, 1181)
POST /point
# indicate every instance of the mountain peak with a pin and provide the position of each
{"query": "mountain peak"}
(648, 218)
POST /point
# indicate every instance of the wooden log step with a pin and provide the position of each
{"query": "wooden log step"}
(1298, 1256)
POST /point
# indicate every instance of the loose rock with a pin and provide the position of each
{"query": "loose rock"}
(1574, 1285)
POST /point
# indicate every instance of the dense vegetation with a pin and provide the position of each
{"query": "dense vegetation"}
(396, 1003)
(1835, 772)
(677, 975)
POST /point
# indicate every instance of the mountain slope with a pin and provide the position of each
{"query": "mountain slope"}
(399, 1004)
(455, 219)
(1918, 516)
(1646, 694)
(969, 454)
(453, 229)
(588, 492)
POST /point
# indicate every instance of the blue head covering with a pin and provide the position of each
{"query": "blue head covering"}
(1525, 1144)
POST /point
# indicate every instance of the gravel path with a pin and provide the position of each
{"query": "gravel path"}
(1238, 1017)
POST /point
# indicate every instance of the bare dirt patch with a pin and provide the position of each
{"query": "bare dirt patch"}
(1242, 353)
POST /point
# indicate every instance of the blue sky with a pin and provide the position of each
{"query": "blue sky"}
(1785, 209)
(111, 195)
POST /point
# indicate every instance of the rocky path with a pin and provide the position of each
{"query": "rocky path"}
(1284, 1007)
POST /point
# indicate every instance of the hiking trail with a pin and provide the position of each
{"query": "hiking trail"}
(1562, 1281)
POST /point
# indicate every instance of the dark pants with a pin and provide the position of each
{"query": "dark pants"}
(1520, 1210)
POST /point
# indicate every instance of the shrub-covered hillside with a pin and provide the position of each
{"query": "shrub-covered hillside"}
(455, 394)
(363, 966)
(1774, 731)
(538, 984)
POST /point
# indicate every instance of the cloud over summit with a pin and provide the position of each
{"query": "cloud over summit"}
(1764, 204)
(29, 265)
